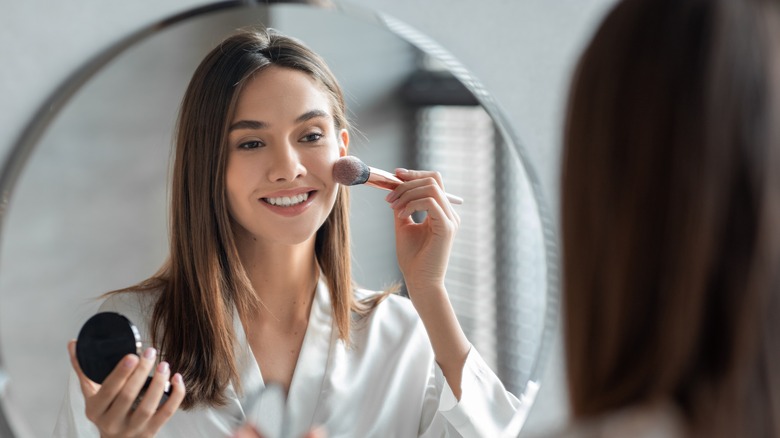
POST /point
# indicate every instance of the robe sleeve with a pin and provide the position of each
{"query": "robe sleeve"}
(485, 408)
(72, 420)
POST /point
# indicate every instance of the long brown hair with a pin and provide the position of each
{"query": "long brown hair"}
(203, 280)
(671, 215)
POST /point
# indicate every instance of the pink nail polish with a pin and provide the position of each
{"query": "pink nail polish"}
(163, 367)
(150, 353)
(130, 361)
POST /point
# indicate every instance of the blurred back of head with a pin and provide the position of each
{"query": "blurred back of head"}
(671, 215)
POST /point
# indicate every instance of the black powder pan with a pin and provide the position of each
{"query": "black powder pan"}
(103, 341)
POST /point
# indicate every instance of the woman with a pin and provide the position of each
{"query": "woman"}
(670, 218)
(258, 286)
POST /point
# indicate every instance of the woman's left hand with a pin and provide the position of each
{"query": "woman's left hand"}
(423, 249)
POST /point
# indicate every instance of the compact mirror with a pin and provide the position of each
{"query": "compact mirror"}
(104, 339)
(85, 189)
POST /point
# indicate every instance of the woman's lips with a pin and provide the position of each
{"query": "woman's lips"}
(290, 203)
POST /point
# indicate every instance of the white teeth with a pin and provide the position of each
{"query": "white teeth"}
(287, 201)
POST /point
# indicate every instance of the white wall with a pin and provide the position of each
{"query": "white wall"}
(521, 50)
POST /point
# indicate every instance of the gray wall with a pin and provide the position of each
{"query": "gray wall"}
(521, 50)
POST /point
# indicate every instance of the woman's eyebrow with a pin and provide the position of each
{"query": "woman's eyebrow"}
(256, 124)
(311, 115)
(248, 124)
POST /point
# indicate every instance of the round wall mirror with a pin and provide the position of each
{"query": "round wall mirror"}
(85, 190)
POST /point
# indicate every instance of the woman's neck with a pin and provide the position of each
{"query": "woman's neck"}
(283, 276)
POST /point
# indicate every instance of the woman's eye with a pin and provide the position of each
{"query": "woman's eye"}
(250, 144)
(313, 137)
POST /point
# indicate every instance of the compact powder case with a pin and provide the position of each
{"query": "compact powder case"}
(103, 341)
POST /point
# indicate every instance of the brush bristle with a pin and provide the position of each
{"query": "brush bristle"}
(350, 171)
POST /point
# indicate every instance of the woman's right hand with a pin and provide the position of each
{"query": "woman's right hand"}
(110, 405)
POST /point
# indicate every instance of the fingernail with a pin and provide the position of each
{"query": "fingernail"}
(394, 203)
(178, 379)
(163, 367)
(130, 360)
(401, 170)
(150, 353)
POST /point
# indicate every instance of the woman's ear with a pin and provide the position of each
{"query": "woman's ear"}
(344, 144)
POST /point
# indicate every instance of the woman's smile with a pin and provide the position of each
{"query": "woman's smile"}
(290, 202)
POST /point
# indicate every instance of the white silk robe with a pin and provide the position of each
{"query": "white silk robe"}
(386, 384)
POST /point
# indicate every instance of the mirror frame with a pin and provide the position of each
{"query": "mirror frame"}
(11, 422)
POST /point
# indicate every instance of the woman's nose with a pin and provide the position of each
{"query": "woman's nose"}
(286, 164)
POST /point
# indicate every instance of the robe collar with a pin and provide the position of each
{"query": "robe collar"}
(306, 387)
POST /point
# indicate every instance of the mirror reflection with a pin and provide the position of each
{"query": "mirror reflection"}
(89, 213)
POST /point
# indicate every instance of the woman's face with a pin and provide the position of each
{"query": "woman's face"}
(282, 145)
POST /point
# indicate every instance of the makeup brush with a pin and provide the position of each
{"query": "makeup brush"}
(350, 171)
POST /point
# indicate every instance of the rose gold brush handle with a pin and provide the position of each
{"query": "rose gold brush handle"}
(387, 181)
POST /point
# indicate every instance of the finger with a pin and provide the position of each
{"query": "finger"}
(421, 190)
(318, 432)
(457, 218)
(410, 185)
(437, 218)
(151, 398)
(425, 191)
(88, 387)
(98, 405)
(247, 431)
(170, 406)
(409, 175)
(128, 393)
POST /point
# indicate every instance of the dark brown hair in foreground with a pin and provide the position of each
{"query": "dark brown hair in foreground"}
(671, 215)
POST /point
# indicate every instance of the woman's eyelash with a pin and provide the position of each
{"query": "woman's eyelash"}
(250, 144)
(313, 136)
